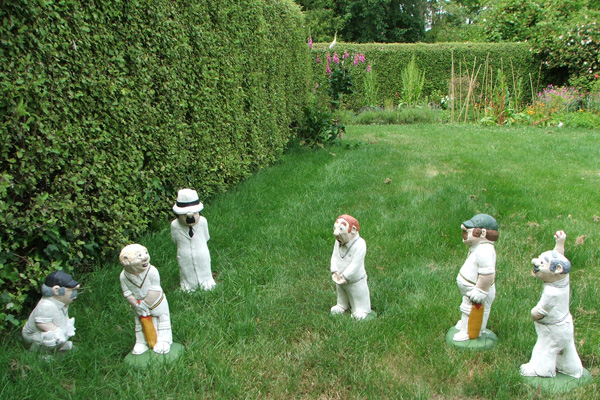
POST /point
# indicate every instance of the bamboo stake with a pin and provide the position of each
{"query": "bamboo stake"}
(452, 88)
(471, 86)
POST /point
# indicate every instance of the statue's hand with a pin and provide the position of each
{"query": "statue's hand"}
(560, 237)
(142, 309)
(70, 327)
(477, 295)
(339, 278)
(54, 338)
(535, 315)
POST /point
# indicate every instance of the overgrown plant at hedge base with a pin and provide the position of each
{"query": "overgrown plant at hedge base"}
(319, 126)
(108, 108)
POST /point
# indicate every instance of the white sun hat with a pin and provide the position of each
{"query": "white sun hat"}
(187, 202)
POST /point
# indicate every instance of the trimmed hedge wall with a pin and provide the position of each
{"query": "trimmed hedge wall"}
(388, 61)
(109, 107)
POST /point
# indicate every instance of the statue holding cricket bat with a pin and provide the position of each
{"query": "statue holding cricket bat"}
(476, 277)
(140, 282)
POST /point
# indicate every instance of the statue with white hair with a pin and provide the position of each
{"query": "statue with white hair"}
(555, 347)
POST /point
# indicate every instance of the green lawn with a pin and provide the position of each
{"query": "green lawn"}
(266, 332)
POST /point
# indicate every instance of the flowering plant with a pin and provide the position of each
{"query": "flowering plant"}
(338, 73)
(320, 124)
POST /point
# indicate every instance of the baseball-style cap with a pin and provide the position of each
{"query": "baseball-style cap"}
(482, 221)
(61, 279)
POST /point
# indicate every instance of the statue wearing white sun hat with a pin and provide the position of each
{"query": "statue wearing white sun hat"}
(190, 233)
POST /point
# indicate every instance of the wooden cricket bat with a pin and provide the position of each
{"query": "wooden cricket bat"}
(475, 321)
(150, 332)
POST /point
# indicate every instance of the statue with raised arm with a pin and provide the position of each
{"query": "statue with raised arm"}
(555, 347)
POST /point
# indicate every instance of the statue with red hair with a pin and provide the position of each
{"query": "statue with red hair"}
(348, 269)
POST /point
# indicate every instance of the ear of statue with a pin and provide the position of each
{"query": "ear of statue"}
(483, 232)
(55, 290)
(353, 229)
(559, 269)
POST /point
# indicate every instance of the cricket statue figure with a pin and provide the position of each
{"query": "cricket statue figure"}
(476, 277)
(189, 231)
(555, 348)
(49, 326)
(140, 282)
(348, 269)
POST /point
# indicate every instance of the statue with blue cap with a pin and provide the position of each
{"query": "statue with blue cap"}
(476, 277)
(49, 326)
(555, 349)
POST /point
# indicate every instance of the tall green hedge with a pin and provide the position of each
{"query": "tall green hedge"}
(388, 60)
(108, 107)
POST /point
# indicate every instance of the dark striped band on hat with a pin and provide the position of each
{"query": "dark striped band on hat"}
(188, 204)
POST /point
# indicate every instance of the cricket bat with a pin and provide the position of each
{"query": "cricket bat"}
(150, 332)
(475, 321)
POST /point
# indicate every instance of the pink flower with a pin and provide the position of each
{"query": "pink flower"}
(328, 59)
(315, 88)
(346, 55)
(310, 42)
(596, 76)
(318, 60)
(356, 60)
(328, 70)
(336, 58)
(369, 68)
(361, 58)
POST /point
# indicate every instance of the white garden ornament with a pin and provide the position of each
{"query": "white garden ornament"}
(348, 269)
(190, 233)
(476, 277)
(49, 326)
(555, 347)
(140, 282)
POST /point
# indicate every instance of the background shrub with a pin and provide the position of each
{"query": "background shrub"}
(109, 107)
(439, 62)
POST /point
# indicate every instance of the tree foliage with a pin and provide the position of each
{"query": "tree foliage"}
(366, 21)
(565, 34)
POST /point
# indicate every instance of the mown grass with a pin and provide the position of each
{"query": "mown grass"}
(266, 332)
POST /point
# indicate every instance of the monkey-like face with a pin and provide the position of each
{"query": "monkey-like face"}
(550, 267)
(342, 231)
(188, 219)
(135, 259)
(472, 236)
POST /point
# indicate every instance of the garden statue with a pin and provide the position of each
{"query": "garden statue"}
(190, 233)
(348, 269)
(140, 282)
(476, 277)
(49, 326)
(555, 346)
